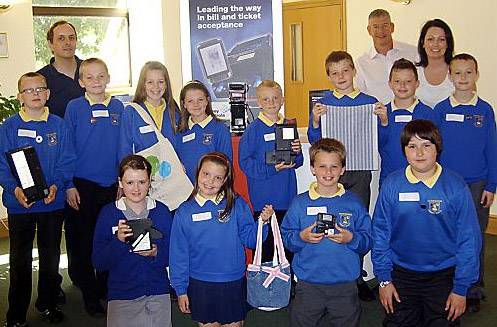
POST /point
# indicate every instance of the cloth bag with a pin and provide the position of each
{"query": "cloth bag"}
(170, 184)
(268, 284)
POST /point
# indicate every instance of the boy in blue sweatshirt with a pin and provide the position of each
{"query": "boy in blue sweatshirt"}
(327, 266)
(426, 238)
(268, 184)
(94, 120)
(467, 125)
(341, 71)
(395, 115)
(49, 135)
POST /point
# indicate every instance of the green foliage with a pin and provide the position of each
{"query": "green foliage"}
(8, 107)
(91, 30)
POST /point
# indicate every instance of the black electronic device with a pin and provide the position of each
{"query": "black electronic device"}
(143, 233)
(326, 223)
(284, 135)
(26, 168)
(213, 60)
(238, 106)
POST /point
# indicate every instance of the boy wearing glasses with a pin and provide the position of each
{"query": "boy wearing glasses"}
(48, 134)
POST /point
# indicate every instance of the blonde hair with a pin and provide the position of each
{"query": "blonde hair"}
(29, 75)
(141, 93)
(268, 84)
(90, 61)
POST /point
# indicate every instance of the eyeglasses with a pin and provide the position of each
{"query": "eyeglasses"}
(35, 90)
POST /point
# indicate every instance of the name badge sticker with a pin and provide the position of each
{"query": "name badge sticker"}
(454, 117)
(269, 137)
(312, 211)
(146, 129)
(202, 216)
(403, 118)
(189, 137)
(409, 196)
(26, 133)
(100, 113)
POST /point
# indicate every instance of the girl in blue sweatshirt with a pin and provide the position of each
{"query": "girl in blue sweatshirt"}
(154, 95)
(207, 258)
(138, 285)
(200, 132)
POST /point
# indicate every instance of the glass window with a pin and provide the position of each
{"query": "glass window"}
(102, 33)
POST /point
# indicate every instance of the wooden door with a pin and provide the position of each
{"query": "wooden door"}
(311, 30)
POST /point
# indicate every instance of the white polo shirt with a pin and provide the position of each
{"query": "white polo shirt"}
(373, 69)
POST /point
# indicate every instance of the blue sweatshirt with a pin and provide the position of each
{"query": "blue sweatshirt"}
(327, 262)
(469, 139)
(54, 151)
(199, 139)
(206, 249)
(334, 98)
(265, 184)
(130, 274)
(95, 131)
(392, 157)
(136, 135)
(426, 227)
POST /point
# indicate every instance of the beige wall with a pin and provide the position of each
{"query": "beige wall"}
(474, 29)
(18, 24)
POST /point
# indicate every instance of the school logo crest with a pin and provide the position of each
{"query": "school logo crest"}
(220, 213)
(207, 139)
(344, 219)
(114, 119)
(52, 139)
(435, 206)
(478, 120)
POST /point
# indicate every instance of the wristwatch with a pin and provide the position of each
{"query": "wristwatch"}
(385, 283)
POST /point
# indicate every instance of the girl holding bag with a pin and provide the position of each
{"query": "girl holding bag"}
(207, 258)
(148, 128)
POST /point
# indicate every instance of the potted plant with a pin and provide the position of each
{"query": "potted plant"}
(8, 107)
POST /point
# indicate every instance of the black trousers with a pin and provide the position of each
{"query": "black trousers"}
(22, 228)
(268, 244)
(423, 297)
(80, 227)
(476, 291)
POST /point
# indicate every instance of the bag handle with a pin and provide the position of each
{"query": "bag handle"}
(148, 119)
(279, 251)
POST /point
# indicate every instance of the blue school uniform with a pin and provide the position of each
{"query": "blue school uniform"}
(131, 275)
(136, 135)
(51, 139)
(201, 138)
(469, 140)
(426, 226)
(95, 128)
(334, 98)
(265, 184)
(392, 157)
(327, 262)
(206, 249)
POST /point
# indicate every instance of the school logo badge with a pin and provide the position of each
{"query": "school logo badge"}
(207, 139)
(114, 119)
(435, 206)
(344, 219)
(478, 120)
(220, 213)
(52, 139)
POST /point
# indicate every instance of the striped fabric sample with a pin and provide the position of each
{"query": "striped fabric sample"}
(356, 128)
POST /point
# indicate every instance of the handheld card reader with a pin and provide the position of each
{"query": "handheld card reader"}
(285, 134)
(26, 168)
(143, 234)
(325, 223)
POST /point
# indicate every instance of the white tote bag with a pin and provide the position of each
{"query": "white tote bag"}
(170, 184)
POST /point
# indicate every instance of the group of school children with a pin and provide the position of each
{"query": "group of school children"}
(425, 236)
